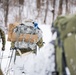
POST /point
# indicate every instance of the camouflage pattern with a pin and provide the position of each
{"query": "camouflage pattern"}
(2, 34)
(27, 23)
(39, 44)
(67, 28)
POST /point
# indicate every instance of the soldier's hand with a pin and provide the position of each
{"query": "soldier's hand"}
(3, 48)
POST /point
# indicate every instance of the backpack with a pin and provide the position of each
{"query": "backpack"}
(26, 36)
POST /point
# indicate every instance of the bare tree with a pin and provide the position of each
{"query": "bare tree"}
(53, 11)
(20, 9)
(46, 10)
(60, 7)
(6, 9)
(38, 7)
(21, 2)
(38, 4)
(67, 9)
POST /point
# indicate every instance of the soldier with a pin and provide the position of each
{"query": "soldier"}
(27, 51)
(39, 43)
(66, 45)
(2, 34)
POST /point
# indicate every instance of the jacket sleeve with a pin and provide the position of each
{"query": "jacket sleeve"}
(3, 37)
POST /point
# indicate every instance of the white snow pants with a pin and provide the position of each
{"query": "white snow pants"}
(24, 64)
(31, 64)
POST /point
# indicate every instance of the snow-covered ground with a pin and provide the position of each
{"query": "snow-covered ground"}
(40, 64)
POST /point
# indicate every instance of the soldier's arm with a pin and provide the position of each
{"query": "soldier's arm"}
(3, 38)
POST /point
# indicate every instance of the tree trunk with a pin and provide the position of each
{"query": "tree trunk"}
(20, 9)
(6, 9)
(21, 2)
(60, 7)
(38, 7)
(67, 9)
(38, 4)
(46, 11)
(53, 11)
(20, 13)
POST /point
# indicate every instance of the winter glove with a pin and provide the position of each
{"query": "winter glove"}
(3, 48)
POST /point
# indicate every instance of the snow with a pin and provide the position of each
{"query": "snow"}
(31, 64)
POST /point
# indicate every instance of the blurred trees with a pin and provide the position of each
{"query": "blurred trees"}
(44, 11)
